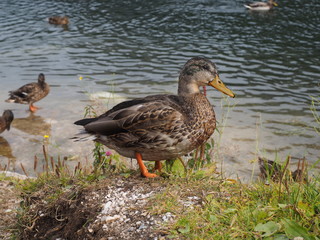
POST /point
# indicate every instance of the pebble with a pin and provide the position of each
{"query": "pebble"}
(131, 229)
(123, 212)
(142, 226)
(167, 217)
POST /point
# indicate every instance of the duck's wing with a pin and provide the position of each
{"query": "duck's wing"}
(256, 5)
(2, 125)
(24, 94)
(152, 112)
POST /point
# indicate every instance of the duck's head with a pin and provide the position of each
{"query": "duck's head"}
(8, 117)
(64, 20)
(273, 3)
(199, 72)
(41, 79)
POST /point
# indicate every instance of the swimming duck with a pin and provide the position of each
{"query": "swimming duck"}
(5, 120)
(58, 20)
(161, 127)
(30, 93)
(261, 6)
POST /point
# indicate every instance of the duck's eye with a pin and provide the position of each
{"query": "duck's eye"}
(206, 67)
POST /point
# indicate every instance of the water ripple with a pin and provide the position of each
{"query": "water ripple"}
(135, 48)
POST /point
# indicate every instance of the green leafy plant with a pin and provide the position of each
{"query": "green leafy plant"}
(104, 159)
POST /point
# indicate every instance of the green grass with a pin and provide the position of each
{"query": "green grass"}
(221, 208)
(232, 210)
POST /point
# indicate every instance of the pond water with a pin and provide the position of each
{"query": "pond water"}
(136, 48)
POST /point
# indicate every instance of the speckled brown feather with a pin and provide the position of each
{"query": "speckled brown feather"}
(161, 128)
(160, 124)
(3, 125)
(58, 20)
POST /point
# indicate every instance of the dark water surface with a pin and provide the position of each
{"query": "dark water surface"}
(136, 48)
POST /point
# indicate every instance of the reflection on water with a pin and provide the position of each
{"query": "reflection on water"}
(22, 138)
(136, 48)
(32, 125)
(29, 132)
(5, 150)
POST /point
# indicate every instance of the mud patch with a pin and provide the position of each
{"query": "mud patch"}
(112, 209)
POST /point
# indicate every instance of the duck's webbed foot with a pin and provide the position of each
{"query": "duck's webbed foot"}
(144, 171)
(33, 108)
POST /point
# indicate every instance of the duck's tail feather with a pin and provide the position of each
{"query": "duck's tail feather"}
(16, 100)
(17, 97)
(10, 100)
(83, 136)
(85, 121)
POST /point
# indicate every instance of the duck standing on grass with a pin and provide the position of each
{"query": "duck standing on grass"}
(30, 93)
(161, 127)
(5, 120)
(261, 6)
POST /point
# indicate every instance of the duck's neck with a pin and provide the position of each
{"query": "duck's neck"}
(190, 88)
(42, 84)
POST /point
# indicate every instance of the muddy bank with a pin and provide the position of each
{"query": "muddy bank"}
(116, 208)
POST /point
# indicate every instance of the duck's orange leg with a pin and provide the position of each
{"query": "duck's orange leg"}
(33, 108)
(143, 169)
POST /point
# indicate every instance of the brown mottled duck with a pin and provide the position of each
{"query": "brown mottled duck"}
(58, 20)
(5, 120)
(30, 93)
(161, 127)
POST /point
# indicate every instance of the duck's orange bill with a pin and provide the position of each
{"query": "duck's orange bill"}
(219, 85)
